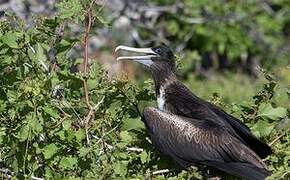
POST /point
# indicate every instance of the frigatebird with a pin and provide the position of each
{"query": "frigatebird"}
(191, 130)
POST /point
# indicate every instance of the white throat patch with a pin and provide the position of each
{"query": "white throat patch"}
(161, 98)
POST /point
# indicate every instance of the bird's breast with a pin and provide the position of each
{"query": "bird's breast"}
(161, 99)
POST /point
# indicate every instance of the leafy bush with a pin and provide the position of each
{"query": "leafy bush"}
(56, 123)
(235, 35)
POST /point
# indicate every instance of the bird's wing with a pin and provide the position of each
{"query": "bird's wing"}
(190, 141)
(183, 102)
(261, 148)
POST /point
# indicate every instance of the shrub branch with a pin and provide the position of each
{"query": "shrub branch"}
(90, 114)
(86, 56)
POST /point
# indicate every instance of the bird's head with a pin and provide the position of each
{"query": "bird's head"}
(154, 58)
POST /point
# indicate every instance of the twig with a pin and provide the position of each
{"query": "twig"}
(61, 120)
(26, 150)
(62, 111)
(107, 133)
(160, 172)
(265, 5)
(110, 147)
(57, 124)
(276, 139)
(191, 20)
(7, 173)
(69, 104)
(87, 120)
(41, 62)
(283, 175)
(99, 103)
(36, 178)
(134, 149)
(90, 114)
(86, 55)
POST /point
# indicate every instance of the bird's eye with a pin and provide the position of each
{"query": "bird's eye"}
(158, 50)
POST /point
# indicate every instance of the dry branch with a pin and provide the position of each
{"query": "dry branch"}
(276, 139)
(163, 171)
(86, 55)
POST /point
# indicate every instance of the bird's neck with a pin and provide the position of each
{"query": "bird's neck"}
(163, 75)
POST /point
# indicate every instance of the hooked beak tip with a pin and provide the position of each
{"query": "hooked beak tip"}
(118, 48)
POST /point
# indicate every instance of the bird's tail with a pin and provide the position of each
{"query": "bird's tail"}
(244, 170)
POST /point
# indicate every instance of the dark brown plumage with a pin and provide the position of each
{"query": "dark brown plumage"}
(191, 130)
(189, 141)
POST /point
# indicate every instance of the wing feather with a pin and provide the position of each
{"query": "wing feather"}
(182, 102)
(190, 141)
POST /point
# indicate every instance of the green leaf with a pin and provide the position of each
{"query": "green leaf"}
(267, 111)
(23, 132)
(2, 134)
(132, 123)
(68, 162)
(40, 56)
(173, 27)
(84, 151)
(49, 151)
(262, 128)
(125, 136)
(2, 106)
(143, 157)
(48, 172)
(80, 135)
(35, 123)
(120, 168)
(10, 38)
(50, 111)
(4, 51)
(61, 135)
(69, 135)
(66, 125)
(68, 10)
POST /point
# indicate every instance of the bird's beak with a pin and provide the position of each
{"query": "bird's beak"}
(145, 59)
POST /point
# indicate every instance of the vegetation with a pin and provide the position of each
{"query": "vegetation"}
(55, 123)
(236, 35)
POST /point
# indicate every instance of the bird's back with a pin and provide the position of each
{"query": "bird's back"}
(189, 141)
(180, 100)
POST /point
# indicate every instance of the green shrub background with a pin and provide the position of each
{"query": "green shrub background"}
(48, 129)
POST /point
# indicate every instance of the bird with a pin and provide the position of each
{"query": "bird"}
(193, 131)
